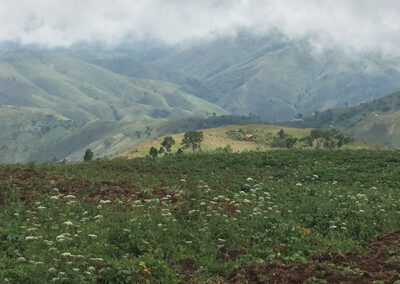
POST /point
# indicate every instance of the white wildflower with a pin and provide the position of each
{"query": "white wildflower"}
(70, 196)
(65, 254)
(28, 238)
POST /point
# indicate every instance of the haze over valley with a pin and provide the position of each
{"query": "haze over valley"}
(116, 63)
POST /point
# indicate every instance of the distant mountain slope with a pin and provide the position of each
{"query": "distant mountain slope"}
(128, 66)
(377, 121)
(83, 91)
(32, 134)
(277, 78)
(27, 131)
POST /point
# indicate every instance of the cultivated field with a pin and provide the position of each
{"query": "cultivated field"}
(312, 216)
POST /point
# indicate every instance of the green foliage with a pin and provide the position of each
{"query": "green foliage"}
(290, 142)
(192, 139)
(330, 139)
(153, 152)
(88, 155)
(161, 220)
(282, 135)
(226, 149)
(167, 143)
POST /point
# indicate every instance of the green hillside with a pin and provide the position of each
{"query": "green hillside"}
(277, 78)
(377, 121)
(83, 91)
(33, 134)
(233, 138)
(128, 66)
(26, 131)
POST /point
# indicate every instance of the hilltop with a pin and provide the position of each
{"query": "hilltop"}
(237, 138)
(377, 121)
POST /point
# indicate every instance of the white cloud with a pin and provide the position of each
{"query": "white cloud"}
(359, 25)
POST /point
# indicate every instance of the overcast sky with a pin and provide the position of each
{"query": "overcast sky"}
(358, 25)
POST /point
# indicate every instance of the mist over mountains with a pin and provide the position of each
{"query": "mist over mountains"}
(128, 62)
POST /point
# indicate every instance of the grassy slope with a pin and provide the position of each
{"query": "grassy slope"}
(277, 78)
(26, 131)
(32, 134)
(217, 137)
(128, 66)
(83, 91)
(377, 121)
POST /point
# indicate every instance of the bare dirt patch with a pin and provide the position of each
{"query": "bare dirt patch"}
(380, 262)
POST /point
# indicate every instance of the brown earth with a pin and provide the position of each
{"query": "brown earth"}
(380, 263)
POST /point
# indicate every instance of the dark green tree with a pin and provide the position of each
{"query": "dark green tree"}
(308, 140)
(282, 134)
(153, 152)
(290, 142)
(192, 139)
(167, 143)
(88, 155)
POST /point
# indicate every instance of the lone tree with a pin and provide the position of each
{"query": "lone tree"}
(167, 143)
(282, 134)
(88, 155)
(192, 139)
(153, 152)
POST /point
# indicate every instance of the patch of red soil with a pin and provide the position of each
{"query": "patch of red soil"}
(188, 266)
(226, 205)
(230, 254)
(380, 262)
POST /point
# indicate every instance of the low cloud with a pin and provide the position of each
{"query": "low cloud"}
(356, 25)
